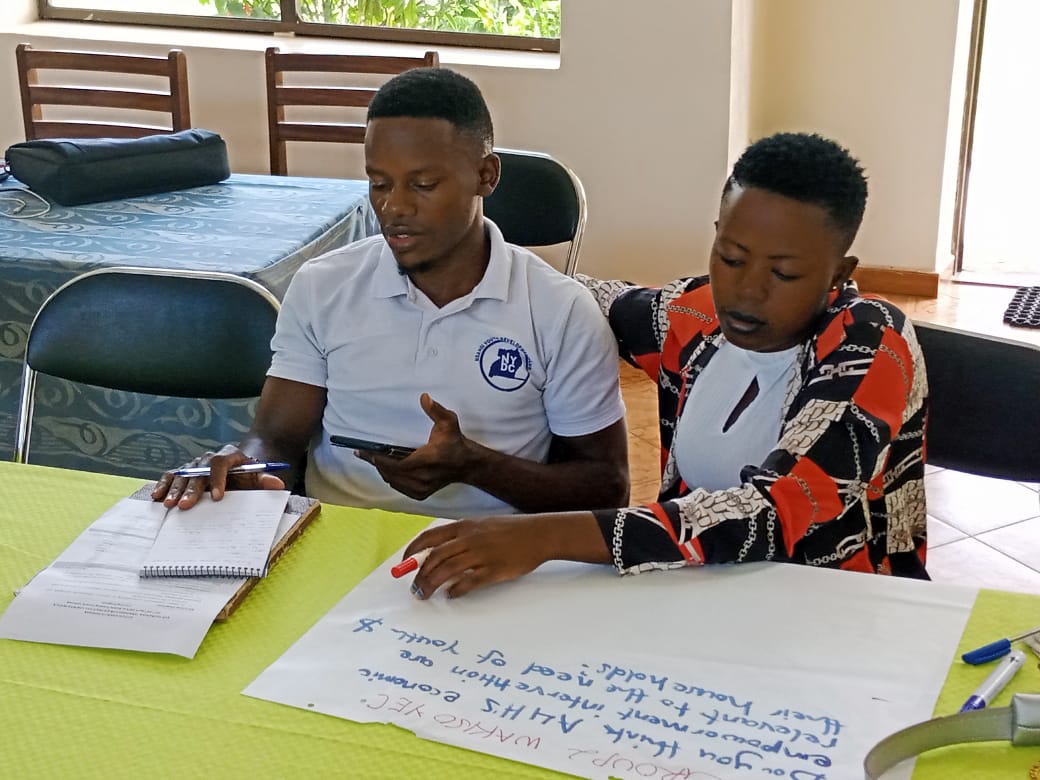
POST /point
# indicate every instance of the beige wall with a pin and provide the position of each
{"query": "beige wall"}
(648, 109)
(876, 76)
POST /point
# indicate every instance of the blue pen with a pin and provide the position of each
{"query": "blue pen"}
(996, 681)
(245, 468)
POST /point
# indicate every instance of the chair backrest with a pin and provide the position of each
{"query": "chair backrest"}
(281, 95)
(984, 403)
(171, 99)
(539, 202)
(190, 334)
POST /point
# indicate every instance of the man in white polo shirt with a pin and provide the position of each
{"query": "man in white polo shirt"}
(437, 335)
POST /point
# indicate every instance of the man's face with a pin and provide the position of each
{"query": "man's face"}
(425, 183)
(773, 263)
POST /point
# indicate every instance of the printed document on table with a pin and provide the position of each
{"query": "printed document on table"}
(92, 595)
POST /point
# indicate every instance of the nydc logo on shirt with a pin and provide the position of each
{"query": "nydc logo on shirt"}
(504, 364)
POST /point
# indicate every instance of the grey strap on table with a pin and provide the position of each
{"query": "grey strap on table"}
(1019, 723)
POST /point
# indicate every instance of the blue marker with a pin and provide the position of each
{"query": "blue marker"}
(996, 681)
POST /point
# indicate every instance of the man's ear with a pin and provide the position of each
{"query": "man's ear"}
(844, 273)
(490, 171)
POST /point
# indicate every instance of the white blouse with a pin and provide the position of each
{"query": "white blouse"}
(709, 457)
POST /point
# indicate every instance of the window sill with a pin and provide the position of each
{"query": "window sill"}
(87, 33)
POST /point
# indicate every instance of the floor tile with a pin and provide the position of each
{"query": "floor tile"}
(642, 465)
(1020, 541)
(940, 533)
(645, 492)
(648, 432)
(644, 445)
(975, 504)
(970, 562)
(640, 396)
(648, 445)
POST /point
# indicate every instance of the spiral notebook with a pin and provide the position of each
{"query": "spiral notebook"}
(232, 537)
(298, 514)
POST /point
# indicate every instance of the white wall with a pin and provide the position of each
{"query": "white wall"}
(944, 249)
(640, 105)
(877, 77)
(17, 12)
(740, 78)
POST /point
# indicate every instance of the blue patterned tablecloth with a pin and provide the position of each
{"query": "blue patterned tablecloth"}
(260, 227)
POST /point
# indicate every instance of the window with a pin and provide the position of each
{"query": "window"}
(507, 24)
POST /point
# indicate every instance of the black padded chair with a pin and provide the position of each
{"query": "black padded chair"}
(984, 403)
(190, 334)
(539, 202)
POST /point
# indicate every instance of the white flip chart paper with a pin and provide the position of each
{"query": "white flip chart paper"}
(760, 670)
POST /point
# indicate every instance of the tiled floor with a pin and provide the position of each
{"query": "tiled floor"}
(982, 532)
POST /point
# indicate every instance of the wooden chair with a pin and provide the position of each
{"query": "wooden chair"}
(280, 95)
(173, 100)
(983, 415)
(539, 202)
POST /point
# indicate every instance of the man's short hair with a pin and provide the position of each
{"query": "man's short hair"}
(436, 93)
(807, 168)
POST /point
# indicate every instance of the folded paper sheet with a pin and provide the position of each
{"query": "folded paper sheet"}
(92, 595)
(723, 672)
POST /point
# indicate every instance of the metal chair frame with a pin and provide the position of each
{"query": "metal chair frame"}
(89, 344)
(539, 202)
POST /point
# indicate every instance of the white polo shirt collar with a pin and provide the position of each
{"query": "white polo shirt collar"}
(389, 282)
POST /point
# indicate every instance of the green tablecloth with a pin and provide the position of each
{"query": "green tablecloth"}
(78, 712)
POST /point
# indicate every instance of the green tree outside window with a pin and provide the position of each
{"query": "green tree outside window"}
(534, 18)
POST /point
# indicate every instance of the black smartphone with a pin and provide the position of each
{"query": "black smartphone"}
(391, 450)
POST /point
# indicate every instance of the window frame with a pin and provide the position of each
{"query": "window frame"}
(290, 23)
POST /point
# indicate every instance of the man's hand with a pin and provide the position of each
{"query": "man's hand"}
(441, 461)
(185, 492)
(582, 472)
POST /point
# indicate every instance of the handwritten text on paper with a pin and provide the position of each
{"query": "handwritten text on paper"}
(715, 674)
(661, 726)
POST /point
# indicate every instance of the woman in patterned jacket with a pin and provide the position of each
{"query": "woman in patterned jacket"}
(792, 408)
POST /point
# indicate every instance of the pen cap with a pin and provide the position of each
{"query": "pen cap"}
(987, 653)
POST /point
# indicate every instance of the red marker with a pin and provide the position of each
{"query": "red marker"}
(410, 564)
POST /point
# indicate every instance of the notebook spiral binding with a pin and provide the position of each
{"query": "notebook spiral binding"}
(200, 571)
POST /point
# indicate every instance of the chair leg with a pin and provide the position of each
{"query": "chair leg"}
(25, 415)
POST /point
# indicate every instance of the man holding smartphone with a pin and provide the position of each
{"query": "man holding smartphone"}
(437, 335)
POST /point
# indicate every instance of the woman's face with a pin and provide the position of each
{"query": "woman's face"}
(772, 266)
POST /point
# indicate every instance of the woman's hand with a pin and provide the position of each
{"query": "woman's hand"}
(471, 554)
